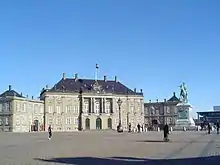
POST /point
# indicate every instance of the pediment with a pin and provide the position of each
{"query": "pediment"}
(97, 87)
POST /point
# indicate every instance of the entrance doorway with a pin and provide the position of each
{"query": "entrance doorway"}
(36, 125)
(98, 123)
(87, 124)
(109, 123)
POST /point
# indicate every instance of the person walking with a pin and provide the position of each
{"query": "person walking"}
(129, 127)
(217, 127)
(49, 132)
(139, 128)
(209, 128)
(166, 132)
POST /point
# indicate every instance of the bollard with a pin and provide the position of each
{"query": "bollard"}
(171, 129)
(145, 129)
(158, 129)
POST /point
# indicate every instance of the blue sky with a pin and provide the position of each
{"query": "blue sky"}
(153, 45)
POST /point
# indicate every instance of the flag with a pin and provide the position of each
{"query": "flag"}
(97, 66)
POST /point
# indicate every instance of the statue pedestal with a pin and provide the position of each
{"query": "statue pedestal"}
(184, 120)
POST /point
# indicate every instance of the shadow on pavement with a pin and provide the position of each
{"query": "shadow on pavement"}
(151, 141)
(171, 141)
(212, 160)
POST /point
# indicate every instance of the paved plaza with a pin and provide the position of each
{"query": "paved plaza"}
(107, 148)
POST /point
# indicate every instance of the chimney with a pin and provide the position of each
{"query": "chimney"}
(165, 100)
(47, 86)
(149, 101)
(157, 100)
(105, 78)
(135, 90)
(116, 79)
(174, 94)
(26, 96)
(64, 76)
(21, 94)
(32, 97)
(9, 87)
(141, 90)
(76, 76)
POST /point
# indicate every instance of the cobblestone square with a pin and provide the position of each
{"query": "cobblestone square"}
(109, 148)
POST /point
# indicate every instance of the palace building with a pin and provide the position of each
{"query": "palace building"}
(19, 113)
(73, 104)
(159, 113)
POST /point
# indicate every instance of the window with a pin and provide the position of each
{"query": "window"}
(76, 109)
(18, 120)
(75, 120)
(18, 107)
(7, 107)
(68, 121)
(162, 110)
(107, 107)
(24, 107)
(58, 109)
(6, 121)
(168, 110)
(1, 108)
(58, 121)
(175, 110)
(68, 108)
(146, 110)
(50, 109)
(86, 107)
(1, 121)
(50, 121)
(97, 107)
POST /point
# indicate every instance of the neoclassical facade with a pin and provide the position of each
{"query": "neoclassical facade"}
(19, 113)
(161, 113)
(91, 104)
(72, 104)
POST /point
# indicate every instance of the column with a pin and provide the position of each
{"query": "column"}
(90, 105)
(111, 106)
(100, 105)
(83, 104)
(103, 105)
(94, 108)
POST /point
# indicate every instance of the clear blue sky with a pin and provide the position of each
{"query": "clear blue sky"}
(154, 45)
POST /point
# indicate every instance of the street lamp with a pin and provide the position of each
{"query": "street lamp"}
(119, 127)
(80, 110)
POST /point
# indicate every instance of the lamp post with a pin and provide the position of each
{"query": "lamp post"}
(119, 128)
(80, 110)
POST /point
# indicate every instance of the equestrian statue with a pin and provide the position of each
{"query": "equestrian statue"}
(183, 93)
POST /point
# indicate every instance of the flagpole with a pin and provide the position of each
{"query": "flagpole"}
(96, 72)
